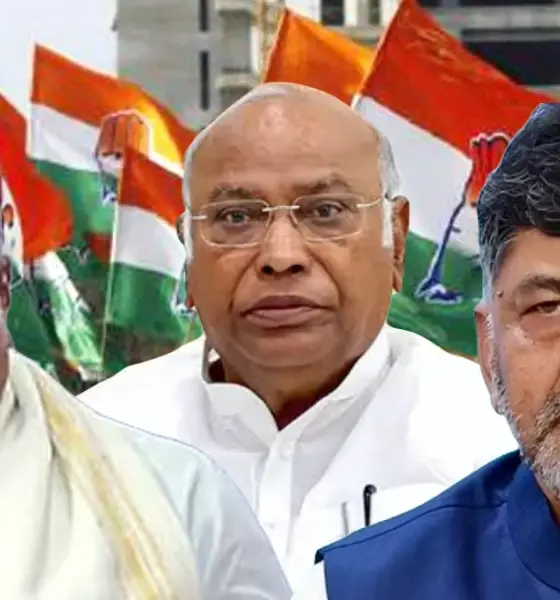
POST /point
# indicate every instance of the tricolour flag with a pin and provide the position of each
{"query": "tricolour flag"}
(48, 319)
(82, 121)
(449, 116)
(308, 53)
(146, 281)
(27, 329)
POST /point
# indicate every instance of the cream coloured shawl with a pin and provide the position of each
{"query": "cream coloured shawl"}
(81, 516)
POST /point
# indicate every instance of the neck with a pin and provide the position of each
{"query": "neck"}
(554, 503)
(288, 393)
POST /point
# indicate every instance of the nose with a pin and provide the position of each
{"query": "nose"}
(283, 250)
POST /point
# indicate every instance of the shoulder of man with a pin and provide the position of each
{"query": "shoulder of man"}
(234, 556)
(139, 385)
(393, 547)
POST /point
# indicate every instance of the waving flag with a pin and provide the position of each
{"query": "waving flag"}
(36, 221)
(147, 286)
(25, 324)
(82, 122)
(449, 116)
(308, 53)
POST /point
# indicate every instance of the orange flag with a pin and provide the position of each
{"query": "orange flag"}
(308, 53)
(449, 116)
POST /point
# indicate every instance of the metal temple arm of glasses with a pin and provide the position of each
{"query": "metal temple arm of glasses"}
(372, 203)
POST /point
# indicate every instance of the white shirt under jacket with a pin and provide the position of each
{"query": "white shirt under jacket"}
(409, 418)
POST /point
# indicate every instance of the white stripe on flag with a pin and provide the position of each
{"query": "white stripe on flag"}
(60, 139)
(432, 173)
(146, 241)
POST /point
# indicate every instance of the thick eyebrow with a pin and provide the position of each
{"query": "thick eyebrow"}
(535, 283)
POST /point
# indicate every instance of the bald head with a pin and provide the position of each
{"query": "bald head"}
(307, 117)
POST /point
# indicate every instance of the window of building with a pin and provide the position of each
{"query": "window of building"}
(527, 60)
(203, 15)
(204, 61)
(374, 12)
(332, 12)
(505, 2)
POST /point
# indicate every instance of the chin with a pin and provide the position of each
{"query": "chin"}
(287, 349)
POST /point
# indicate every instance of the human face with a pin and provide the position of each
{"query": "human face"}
(331, 298)
(519, 348)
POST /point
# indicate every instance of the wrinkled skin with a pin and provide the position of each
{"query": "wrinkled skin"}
(519, 350)
(277, 149)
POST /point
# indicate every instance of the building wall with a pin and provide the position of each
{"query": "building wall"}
(194, 65)
(237, 72)
(160, 46)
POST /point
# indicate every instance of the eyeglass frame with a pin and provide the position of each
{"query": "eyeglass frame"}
(268, 208)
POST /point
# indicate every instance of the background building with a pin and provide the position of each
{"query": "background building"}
(521, 37)
(195, 55)
(199, 56)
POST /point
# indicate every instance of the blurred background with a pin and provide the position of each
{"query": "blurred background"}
(199, 56)
(82, 83)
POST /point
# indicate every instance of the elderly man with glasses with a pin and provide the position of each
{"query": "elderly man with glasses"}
(327, 418)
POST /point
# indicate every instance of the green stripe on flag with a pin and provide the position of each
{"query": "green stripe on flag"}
(145, 302)
(448, 326)
(83, 188)
(28, 332)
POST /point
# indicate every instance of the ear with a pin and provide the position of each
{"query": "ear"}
(485, 347)
(400, 215)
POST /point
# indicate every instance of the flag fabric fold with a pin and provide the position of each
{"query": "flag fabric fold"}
(311, 54)
(48, 319)
(148, 260)
(449, 116)
(82, 121)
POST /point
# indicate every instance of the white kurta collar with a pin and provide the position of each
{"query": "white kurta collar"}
(238, 402)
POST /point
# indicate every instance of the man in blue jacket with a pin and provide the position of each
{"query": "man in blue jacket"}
(495, 534)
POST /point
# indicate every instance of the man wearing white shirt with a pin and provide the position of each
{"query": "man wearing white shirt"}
(91, 509)
(325, 417)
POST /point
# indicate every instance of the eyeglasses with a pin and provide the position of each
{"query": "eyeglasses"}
(319, 218)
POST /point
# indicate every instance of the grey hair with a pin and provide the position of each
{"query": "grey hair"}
(522, 193)
(387, 169)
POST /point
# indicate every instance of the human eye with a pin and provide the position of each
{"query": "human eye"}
(233, 215)
(548, 307)
(325, 209)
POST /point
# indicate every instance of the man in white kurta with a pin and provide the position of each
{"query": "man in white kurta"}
(95, 510)
(325, 417)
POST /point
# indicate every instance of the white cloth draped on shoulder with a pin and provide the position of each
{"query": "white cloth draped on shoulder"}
(80, 514)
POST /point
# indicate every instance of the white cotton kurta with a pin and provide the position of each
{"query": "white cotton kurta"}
(234, 559)
(409, 419)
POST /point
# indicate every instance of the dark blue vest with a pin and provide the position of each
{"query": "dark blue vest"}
(489, 537)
